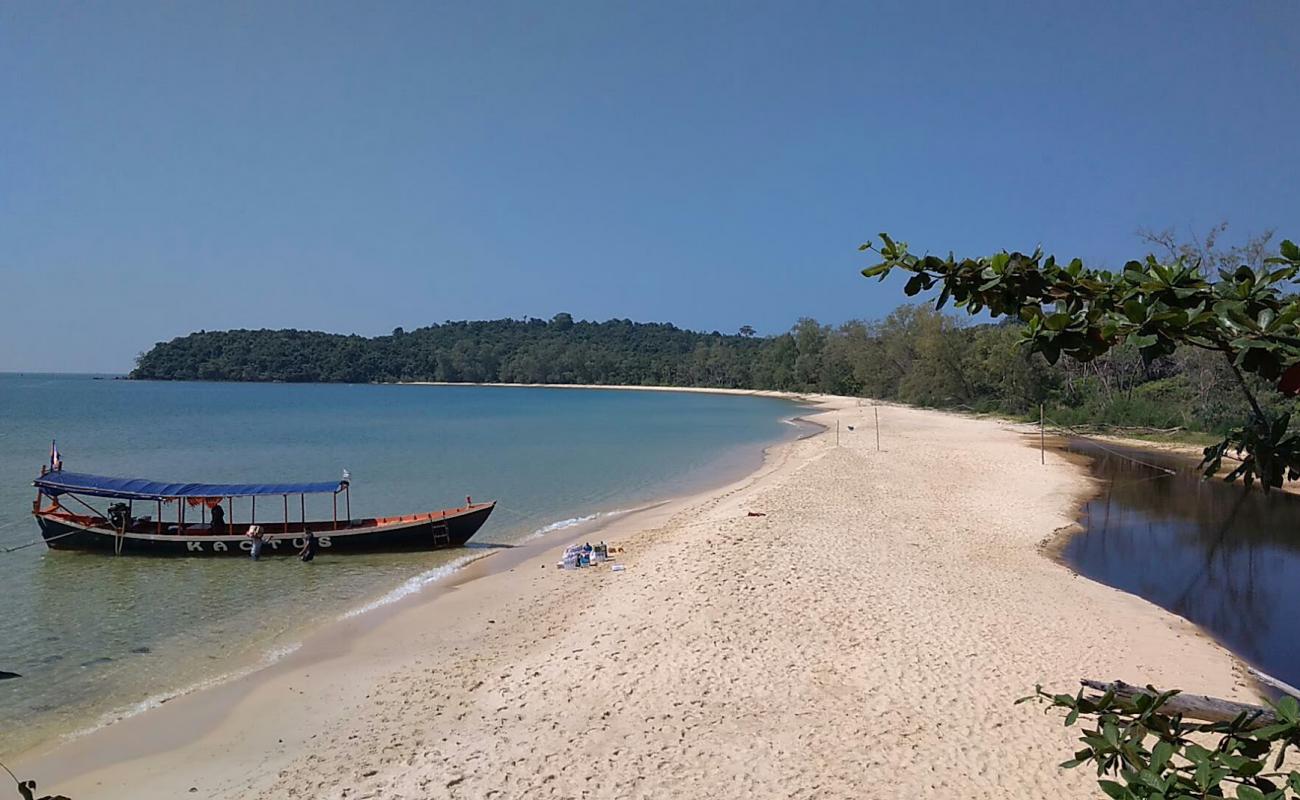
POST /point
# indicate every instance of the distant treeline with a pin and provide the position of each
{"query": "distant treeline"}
(915, 355)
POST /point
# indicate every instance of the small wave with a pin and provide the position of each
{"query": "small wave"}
(415, 584)
(573, 521)
(561, 525)
(154, 701)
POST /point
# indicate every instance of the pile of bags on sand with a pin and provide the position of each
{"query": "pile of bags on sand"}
(588, 555)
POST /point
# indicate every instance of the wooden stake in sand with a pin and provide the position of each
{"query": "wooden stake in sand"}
(877, 410)
(1042, 437)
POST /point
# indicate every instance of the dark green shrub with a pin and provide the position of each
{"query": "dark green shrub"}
(1141, 749)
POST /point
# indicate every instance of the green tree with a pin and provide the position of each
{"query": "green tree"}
(809, 339)
(1156, 307)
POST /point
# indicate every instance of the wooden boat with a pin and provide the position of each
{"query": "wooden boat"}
(118, 530)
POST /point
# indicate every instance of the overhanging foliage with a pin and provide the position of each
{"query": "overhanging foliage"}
(1248, 316)
(1143, 750)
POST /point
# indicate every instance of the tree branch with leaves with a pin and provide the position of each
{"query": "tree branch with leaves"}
(1143, 749)
(1248, 315)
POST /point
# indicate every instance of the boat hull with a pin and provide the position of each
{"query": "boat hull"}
(408, 534)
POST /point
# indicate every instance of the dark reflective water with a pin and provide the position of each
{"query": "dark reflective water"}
(1224, 558)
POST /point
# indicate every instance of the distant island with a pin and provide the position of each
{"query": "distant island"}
(559, 350)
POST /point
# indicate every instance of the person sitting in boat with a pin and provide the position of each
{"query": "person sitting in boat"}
(218, 520)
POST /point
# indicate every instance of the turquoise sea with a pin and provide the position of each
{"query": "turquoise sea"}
(96, 637)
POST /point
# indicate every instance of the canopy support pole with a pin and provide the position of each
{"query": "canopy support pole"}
(157, 521)
(347, 498)
(286, 513)
(252, 512)
(335, 496)
(93, 510)
(36, 504)
(302, 512)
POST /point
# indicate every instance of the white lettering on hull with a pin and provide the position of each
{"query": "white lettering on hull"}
(247, 545)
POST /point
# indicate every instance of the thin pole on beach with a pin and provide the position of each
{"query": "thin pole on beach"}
(876, 409)
(1042, 437)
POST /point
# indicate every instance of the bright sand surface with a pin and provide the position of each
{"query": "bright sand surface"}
(865, 637)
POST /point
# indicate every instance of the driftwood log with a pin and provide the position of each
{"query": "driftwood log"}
(1192, 706)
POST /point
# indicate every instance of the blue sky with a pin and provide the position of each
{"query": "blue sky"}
(175, 166)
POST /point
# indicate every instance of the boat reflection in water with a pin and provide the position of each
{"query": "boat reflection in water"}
(1223, 557)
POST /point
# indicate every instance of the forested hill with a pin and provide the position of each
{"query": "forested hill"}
(511, 351)
(915, 355)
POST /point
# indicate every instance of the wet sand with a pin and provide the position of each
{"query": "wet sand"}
(865, 636)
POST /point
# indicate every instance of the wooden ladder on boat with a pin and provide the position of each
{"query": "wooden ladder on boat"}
(441, 534)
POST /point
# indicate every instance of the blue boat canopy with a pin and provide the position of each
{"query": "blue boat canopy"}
(59, 482)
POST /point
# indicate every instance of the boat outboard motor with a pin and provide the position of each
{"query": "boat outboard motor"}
(118, 516)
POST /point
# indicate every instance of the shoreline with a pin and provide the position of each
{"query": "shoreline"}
(327, 637)
(511, 528)
(774, 393)
(96, 747)
(214, 740)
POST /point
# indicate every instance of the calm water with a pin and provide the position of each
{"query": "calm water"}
(1221, 557)
(95, 635)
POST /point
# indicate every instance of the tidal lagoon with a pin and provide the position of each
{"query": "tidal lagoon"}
(1224, 557)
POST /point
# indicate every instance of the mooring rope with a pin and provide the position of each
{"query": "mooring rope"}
(504, 510)
(11, 774)
(1098, 443)
(38, 541)
(1165, 470)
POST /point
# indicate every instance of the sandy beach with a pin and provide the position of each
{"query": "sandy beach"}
(844, 622)
(590, 386)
